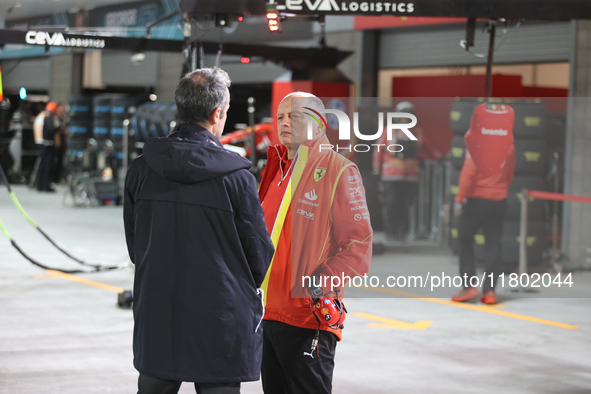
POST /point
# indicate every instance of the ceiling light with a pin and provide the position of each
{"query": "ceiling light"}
(137, 58)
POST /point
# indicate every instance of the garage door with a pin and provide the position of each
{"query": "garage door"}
(33, 74)
(434, 46)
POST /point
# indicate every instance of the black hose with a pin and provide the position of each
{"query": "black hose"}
(94, 267)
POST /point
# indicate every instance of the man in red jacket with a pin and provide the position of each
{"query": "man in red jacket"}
(482, 201)
(316, 212)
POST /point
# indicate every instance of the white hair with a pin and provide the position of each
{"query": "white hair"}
(313, 101)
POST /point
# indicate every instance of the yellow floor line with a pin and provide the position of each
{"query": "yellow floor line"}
(481, 308)
(74, 278)
(391, 323)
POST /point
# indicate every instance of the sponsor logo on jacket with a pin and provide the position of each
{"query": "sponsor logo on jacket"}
(353, 178)
(307, 215)
(311, 195)
(355, 191)
(313, 204)
(494, 131)
(319, 173)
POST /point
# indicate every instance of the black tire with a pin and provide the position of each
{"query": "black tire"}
(555, 130)
(536, 235)
(80, 130)
(171, 116)
(461, 114)
(530, 157)
(455, 240)
(80, 107)
(530, 120)
(101, 129)
(158, 122)
(141, 124)
(116, 131)
(454, 234)
(101, 107)
(454, 182)
(536, 244)
(77, 145)
(124, 107)
(536, 210)
(458, 152)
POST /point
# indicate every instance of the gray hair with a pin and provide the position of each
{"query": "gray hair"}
(200, 92)
(313, 101)
(309, 99)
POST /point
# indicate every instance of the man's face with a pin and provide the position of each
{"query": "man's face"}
(292, 123)
(61, 110)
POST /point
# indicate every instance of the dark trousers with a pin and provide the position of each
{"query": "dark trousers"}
(149, 385)
(288, 367)
(397, 198)
(488, 215)
(45, 167)
(56, 175)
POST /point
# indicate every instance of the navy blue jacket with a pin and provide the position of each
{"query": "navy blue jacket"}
(196, 233)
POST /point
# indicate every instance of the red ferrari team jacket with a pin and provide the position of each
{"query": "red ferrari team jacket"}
(474, 185)
(319, 224)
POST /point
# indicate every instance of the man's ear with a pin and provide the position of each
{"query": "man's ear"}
(214, 118)
(319, 131)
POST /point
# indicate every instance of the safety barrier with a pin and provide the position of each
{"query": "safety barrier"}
(524, 217)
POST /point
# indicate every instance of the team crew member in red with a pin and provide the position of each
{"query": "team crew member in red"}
(316, 212)
(482, 202)
(399, 172)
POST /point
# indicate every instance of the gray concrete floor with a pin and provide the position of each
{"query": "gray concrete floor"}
(62, 336)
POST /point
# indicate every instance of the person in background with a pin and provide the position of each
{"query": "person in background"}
(399, 177)
(481, 202)
(62, 146)
(315, 208)
(48, 122)
(196, 233)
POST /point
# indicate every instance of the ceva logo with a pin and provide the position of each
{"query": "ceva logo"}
(57, 39)
(44, 38)
(307, 215)
(346, 6)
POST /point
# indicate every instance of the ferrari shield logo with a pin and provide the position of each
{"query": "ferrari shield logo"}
(319, 173)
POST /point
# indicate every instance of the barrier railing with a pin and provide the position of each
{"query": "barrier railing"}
(524, 219)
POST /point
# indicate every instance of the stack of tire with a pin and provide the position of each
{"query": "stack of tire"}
(121, 108)
(154, 119)
(80, 123)
(530, 169)
(80, 127)
(101, 125)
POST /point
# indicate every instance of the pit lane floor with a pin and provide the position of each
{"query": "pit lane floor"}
(58, 335)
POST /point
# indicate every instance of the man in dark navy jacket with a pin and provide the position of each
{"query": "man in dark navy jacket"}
(196, 233)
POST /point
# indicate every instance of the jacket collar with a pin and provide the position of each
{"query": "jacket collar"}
(280, 151)
(193, 132)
